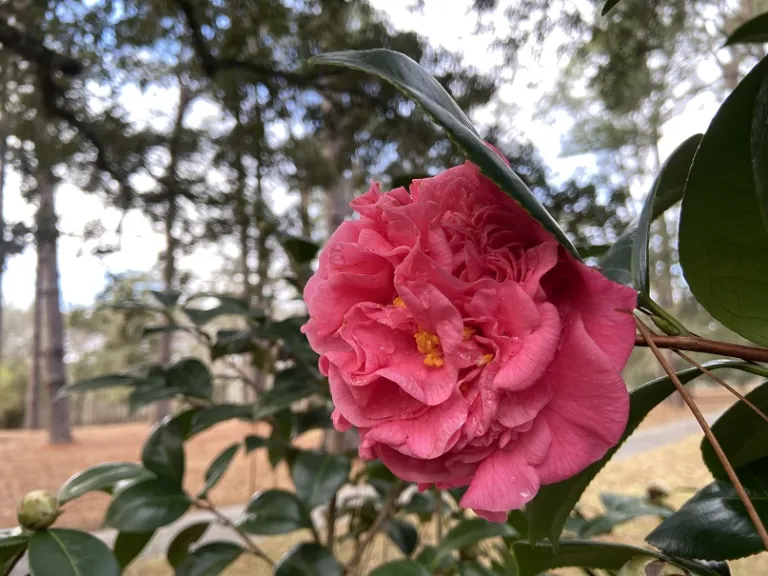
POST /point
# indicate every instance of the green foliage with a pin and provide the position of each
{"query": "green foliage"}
(179, 547)
(209, 559)
(714, 524)
(724, 244)
(218, 468)
(70, 553)
(128, 545)
(308, 559)
(101, 477)
(146, 505)
(318, 475)
(741, 433)
(754, 31)
(274, 512)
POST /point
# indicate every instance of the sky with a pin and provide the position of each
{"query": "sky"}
(444, 23)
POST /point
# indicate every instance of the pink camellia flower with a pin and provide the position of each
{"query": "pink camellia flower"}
(466, 345)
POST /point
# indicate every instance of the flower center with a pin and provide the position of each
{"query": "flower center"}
(429, 345)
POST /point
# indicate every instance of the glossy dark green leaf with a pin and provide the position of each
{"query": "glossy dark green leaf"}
(274, 512)
(619, 509)
(232, 342)
(191, 376)
(178, 549)
(209, 559)
(759, 150)
(403, 534)
(422, 504)
(741, 432)
(473, 568)
(209, 417)
(667, 189)
(163, 451)
(218, 468)
(166, 298)
(435, 563)
(144, 396)
(470, 532)
(227, 306)
(754, 31)
(714, 525)
(146, 505)
(102, 382)
(608, 6)
(418, 84)
(290, 385)
(308, 559)
(519, 521)
(616, 264)
(549, 510)
(100, 477)
(400, 568)
(301, 250)
(533, 559)
(13, 544)
(723, 236)
(318, 475)
(128, 545)
(312, 419)
(60, 552)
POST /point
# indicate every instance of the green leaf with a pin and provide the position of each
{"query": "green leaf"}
(318, 475)
(741, 432)
(550, 509)
(218, 468)
(13, 544)
(723, 237)
(667, 189)
(411, 79)
(608, 6)
(400, 568)
(228, 306)
(146, 505)
(274, 512)
(472, 568)
(533, 559)
(317, 417)
(290, 385)
(100, 477)
(301, 250)
(616, 264)
(470, 532)
(128, 545)
(192, 377)
(163, 451)
(754, 31)
(714, 525)
(102, 382)
(178, 549)
(209, 417)
(210, 559)
(308, 559)
(519, 521)
(144, 395)
(232, 342)
(60, 552)
(620, 508)
(167, 299)
(403, 534)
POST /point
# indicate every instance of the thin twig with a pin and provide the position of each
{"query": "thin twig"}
(386, 510)
(707, 432)
(722, 383)
(331, 523)
(250, 544)
(696, 344)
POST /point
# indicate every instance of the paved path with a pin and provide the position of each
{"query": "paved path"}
(641, 441)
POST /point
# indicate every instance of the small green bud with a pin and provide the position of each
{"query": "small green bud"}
(38, 510)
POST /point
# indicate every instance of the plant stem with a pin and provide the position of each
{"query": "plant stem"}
(250, 544)
(658, 311)
(386, 510)
(696, 344)
(722, 383)
(707, 432)
(331, 523)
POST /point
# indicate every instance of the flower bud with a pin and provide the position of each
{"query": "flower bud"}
(38, 510)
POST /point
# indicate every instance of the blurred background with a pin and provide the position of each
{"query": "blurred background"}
(167, 144)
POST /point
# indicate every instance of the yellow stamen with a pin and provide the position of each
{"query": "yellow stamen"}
(468, 333)
(398, 302)
(434, 359)
(429, 345)
(485, 359)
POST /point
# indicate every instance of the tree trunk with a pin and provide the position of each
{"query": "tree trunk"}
(32, 400)
(165, 351)
(2, 236)
(59, 429)
(306, 223)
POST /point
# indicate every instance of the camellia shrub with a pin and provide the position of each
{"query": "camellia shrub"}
(477, 356)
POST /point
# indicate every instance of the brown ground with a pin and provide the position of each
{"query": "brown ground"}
(30, 463)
